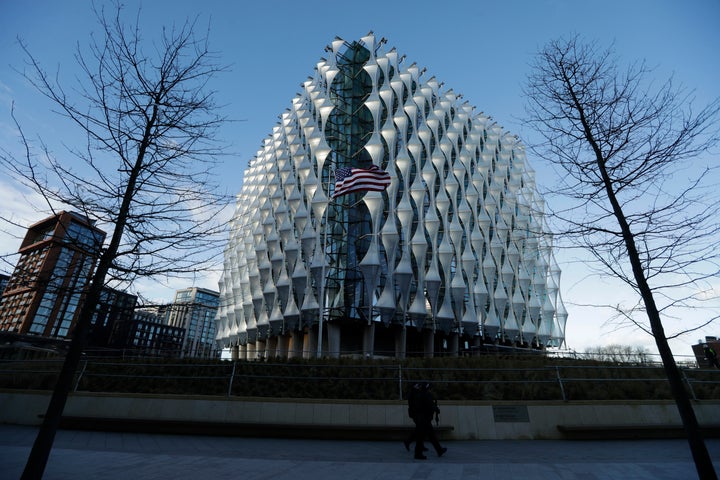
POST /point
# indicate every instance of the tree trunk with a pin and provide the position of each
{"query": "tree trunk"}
(37, 460)
(703, 462)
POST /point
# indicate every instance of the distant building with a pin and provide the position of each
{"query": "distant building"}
(147, 333)
(699, 350)
(194, 311)
(57, 260)
(113, 307)
(3, 281)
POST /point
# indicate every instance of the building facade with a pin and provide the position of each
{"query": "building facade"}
(148, 334)
(194, 310)
(57, 260)
(454, 255)
(700, 353)
(4, 279)
(114, 306)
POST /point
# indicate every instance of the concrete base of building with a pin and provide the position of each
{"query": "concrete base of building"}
(360, 339)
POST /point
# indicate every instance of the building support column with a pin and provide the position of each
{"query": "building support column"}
(250, 352)
(260, 346)
(271, 347)
(333, 340)
(429, 343)
(401, 342)
(310, 343)
(453, 344)
(477, 342)
(283, 346)
(295, 350)
(235, 353)
(369, 341)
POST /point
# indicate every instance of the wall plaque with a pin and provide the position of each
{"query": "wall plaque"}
(510, 413)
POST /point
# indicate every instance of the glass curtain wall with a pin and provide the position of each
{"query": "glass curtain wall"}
(350, 126)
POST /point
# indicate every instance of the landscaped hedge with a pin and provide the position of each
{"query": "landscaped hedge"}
(488, 377)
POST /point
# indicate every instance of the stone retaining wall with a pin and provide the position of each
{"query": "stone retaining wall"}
(469, 420)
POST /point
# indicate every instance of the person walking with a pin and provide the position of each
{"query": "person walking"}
(413, 398)
(426, 409)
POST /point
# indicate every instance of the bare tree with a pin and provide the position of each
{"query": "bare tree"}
(619, 354)
(145, 172)
(636, 194)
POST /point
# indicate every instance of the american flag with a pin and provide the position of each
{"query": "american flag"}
(348, 179)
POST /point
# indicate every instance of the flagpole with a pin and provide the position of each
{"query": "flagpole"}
(322, 275)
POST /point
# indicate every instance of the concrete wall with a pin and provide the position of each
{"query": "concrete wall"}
(470, 420)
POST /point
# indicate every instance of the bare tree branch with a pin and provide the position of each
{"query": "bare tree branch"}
(639, 196)
(145, 172)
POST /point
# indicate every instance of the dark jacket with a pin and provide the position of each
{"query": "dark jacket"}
(414, 402)
(427, 406)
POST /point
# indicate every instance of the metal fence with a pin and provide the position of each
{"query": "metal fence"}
(369, 381)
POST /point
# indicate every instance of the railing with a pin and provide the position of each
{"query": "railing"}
(366, 381)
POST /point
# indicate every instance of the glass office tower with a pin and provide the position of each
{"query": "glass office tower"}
(45, 292)
(194, 310)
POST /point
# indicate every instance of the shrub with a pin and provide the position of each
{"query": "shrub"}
(489, 378)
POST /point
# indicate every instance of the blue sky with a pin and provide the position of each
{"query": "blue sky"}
(481, 49)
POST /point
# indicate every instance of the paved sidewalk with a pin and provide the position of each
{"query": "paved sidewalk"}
(107, 456)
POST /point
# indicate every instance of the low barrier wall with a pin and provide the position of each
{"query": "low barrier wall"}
(467, 420)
